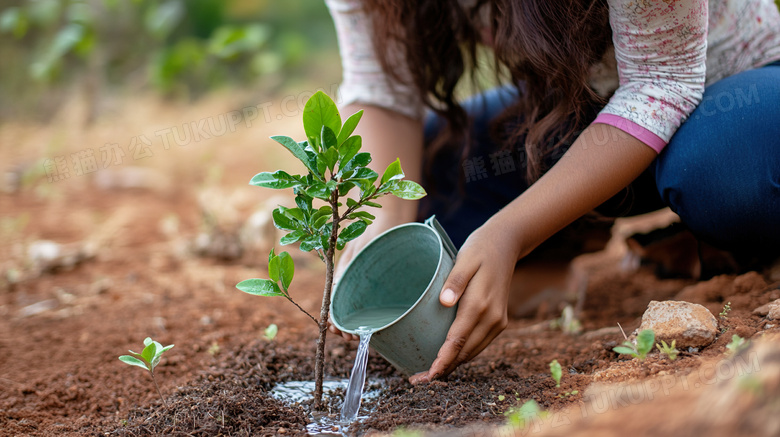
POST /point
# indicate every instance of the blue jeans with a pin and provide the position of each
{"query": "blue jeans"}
(720, 172)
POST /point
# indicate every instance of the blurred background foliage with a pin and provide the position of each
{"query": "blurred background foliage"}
(179, 48)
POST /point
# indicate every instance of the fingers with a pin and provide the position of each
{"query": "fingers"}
(480, 318)
(457, 281)
(345, 335)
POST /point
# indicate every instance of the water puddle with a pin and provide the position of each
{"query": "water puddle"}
(322, 424)
(300, 391)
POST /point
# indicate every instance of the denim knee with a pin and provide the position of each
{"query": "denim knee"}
(721, 170)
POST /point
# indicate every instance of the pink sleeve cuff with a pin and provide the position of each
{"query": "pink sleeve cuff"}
(641, 133)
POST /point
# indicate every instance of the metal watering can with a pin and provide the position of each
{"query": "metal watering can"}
(402, 269)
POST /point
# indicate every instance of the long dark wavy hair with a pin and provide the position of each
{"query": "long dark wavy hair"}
(546, 45)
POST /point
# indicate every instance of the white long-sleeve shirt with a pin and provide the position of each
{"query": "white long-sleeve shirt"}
(665, 51)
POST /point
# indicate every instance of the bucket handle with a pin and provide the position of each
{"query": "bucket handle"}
(449, 246)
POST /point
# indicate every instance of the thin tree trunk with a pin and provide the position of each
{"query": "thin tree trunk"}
(319, 360)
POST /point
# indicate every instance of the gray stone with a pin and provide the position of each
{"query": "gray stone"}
(689, 324)
(770, 310)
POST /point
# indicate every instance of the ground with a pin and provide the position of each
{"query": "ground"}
(135, 273)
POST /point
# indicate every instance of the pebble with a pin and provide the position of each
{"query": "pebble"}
(38, 307)
(770, 310)
(689, 324)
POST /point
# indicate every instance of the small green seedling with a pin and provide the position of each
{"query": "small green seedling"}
(525, 415)
(148, 359)
(214, 349)
(271, 331)
(724, 314)
(556, 372)
(669, 351)
(644, 344)
(567, 322)
(737, 344)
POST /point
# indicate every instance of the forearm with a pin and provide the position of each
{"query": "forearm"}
(388, 136)
(601, 162)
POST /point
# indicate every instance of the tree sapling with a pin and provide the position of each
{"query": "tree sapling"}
(335, 166)
(644, 344)
(148, 359)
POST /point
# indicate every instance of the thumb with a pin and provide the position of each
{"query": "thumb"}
(457, 281)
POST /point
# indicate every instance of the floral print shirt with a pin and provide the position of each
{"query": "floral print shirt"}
(665, 53)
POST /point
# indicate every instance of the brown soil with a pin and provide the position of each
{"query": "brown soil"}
(59, 372)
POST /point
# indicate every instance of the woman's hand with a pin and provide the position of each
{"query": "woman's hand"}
(480, 282)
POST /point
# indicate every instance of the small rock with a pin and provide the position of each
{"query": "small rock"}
(282, 431)
(690, 324)
(770, 310)
(39, 307)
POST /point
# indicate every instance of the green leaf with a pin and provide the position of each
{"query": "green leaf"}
(556, 372)
(349, 149)
(373, 204)
(330, 157)
(133, 361)
(157, 354)
(274, 269)
(292, 237)
(324, 210)
(645, 341)
(329, 139)
(319, 190)
(287, 269)
(393, 172)
(320, 111)
(271, 255)
(304, 201)
(407, 190)
(362, 215)
(624, 350)
(351, 232)
(260, 287)
(277, 180)
(345, 187)
(298, 150)
(320, 222)
(294, 213)
(321, 166)
(364, 174)
(360, 160)
(312, 242)
(285, 221)
(349, 126)
(149, 352)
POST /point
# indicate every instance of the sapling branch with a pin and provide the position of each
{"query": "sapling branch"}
(302, 310)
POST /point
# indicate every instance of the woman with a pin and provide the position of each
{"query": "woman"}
(693, 122)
